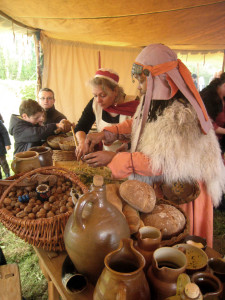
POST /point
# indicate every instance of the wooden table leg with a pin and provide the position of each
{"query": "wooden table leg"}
(52, 291)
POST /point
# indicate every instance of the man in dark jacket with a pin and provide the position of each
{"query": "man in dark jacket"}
(4, 147)
(46, 99)
(26, 128)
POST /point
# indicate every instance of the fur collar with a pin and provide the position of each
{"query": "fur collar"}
(176, 145)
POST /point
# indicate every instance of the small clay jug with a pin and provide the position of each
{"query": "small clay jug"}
(91, 236)
(148, 240)
(210, 286)
(25, 161)
(45, 155)
(167, 265)
(123, 277)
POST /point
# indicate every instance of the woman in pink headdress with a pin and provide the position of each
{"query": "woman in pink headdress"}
(172, 138)
(109, 106)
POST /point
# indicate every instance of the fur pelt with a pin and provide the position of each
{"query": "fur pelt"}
(176, 145)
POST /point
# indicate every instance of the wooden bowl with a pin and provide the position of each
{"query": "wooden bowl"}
(53, 141)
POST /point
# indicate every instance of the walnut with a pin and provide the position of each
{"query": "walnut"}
(32, 200)
(35, 209)
(53, 190)
(51, 199)
(62, 203)
(19, 193)
(17, 204)
(22, 206)
(7, 201)
(63, 209)
(38, 202)
(40, 215)
(31, 216)
(70, 209)
(21, 214)
(28, 209)
(12, 194)
(17, 210)
(28, 188)
(59, 190)
(65, 197)
(47, 206)
(9, 207)
(13, 203)
(69, 204)
(50, 214)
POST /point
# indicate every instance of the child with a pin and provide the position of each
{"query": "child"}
(4, 147)
(26, 128)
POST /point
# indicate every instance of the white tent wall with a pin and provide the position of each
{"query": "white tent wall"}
(68, 66)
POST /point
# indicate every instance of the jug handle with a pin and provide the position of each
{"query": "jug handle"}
(122, 292)
(79, 208)
(13, 165)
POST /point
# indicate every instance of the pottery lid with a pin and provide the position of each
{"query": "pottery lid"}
(192, 290)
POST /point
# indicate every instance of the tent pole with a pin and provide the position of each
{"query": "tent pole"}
(223, 66)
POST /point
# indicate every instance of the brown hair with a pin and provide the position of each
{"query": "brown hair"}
(30, 107)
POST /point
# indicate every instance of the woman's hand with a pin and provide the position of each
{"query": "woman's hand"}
(99, 158)
(93, 139)
(80, 150)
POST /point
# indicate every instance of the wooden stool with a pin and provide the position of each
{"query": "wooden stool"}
(10, 287)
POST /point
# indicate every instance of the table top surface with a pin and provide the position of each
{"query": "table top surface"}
(53, 262)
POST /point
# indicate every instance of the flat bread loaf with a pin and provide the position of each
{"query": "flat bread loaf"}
(167, 218)
(139, 195)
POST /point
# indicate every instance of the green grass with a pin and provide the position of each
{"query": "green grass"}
(33, 282)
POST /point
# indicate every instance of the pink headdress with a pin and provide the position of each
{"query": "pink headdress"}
(165, 76)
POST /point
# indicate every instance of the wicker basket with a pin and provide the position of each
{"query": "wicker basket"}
(46, 233)
(178, 238)
(60, 155)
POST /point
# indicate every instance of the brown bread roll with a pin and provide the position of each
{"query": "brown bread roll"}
(113, 196)
(139, 195)
(167, 218)
(132, 217)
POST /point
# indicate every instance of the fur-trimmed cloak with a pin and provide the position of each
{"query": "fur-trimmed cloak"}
(176, 146)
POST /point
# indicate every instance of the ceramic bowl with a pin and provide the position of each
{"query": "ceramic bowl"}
(197, 259)
(196, 241)
(217, 266)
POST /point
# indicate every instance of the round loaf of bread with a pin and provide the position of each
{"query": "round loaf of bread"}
(167, 218)
(139, 195)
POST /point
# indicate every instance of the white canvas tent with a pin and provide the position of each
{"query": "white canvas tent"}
(79, 36)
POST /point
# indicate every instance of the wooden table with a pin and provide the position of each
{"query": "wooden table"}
(51, 265)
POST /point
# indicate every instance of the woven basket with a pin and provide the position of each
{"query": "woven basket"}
(60, 155)
(46, 233)
(175, 239)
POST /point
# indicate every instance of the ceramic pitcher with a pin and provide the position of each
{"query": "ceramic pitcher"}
(167, 264)
(91, 236)
(148, 240)
(25, 161)
(45, 155)
(123, 277)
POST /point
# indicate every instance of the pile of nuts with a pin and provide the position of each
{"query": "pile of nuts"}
(59, 202)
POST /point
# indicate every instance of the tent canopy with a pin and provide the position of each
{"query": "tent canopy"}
(180, 24)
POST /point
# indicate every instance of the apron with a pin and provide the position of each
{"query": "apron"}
(102, 124)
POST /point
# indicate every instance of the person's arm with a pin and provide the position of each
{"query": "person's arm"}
(4, 134)
(124, 164)
(86, 120)
(32, 133)
(220, 130)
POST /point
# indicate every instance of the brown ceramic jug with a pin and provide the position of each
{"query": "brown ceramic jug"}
(91, 236)
(25, 161)
(45, 155)
(210, 286)
(148, 240)
(167, 265)
(123, 277)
